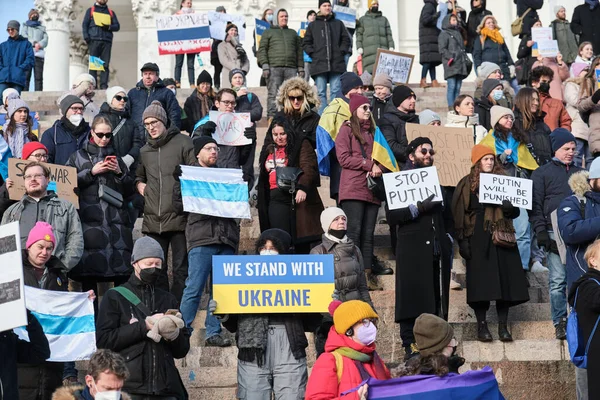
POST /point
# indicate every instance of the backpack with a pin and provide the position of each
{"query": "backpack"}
(516, 28)
(577, 352)
(560, 243)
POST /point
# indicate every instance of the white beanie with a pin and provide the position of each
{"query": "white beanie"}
(8, 92)
(557, 9)
(328, 215)
(497, 112)
(84, 78)
(112, 91)
(594, 169)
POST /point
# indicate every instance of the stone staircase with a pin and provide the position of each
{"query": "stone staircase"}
(534, 366)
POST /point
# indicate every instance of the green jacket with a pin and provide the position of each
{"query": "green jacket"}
(373, 31)
(567, 41)
(280, 47)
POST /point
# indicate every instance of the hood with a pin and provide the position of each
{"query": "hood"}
(592, 273)
(297, 83)
(452, 118)
(479, 9)
(107, 109)
(335, 341)
(578, 182)
(372, 14)
(446, 23)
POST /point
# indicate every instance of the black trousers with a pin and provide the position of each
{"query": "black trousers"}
(217, 75)
(191, 57)
(38, 72)
(362, 217)
(179, 260)
(481, 308)
(280, 210)
(102, 50)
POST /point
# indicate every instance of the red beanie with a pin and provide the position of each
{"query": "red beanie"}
(30, 148)
(356, 101)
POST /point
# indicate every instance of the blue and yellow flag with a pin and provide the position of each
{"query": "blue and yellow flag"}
(336, 113)
(382, 153)
(96, 64)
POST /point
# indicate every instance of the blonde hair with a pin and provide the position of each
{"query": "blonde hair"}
(591, 251)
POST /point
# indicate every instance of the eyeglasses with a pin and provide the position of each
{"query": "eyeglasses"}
(229, 103)
(368, 321)
(296, 98)
(122, 98)
(39, 156)
(425, 151)
(77, 109)
(210, 149)
(366, 108)
(101, 135)
(35, 176)
(150, 125)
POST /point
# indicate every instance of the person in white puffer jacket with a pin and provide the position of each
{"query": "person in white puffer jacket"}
(463, 116)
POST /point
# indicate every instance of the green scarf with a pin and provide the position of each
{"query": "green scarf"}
(353, 354)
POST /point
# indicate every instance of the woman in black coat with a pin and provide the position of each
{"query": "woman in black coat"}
(200, 102)
(478, 11)
(529, 123)
(430, 56)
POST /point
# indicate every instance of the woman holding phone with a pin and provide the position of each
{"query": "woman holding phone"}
(103, 184)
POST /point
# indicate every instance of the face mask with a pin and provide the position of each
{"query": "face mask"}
(374, 9)
(174, 91)
(497, 94)
(544, 87)
(455, 362)
(270, 17)
(269, 253)
(338, 233)
(149, 275)
(35, 17)
(186, 10)
(109, 395)
(367, 334)
(76, 119)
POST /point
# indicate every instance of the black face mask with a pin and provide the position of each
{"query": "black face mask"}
(35, 17)
(455, 361)
(338, 233)
(149, 275)
(374, 9)
(544, 87)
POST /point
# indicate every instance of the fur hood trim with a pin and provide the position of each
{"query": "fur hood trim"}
(68, 393)
(297, 83)
(579, 184)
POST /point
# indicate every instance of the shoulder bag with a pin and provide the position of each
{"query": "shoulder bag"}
(516, 28)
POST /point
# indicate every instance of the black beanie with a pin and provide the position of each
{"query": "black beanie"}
(416, 142)
(204, 77)
(202, 141)
(321, 2)
(488, 86)
(402, 93)
(349, 81)
(308, 14)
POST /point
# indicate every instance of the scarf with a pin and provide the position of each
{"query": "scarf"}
(252, 337)
(512, 144)
(345, 239)
(32, 23)
(494, 36)
(204, 107)
(592, 3)
(360, 358)
(17, 139)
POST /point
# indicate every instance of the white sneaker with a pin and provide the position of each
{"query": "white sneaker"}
(538, 267)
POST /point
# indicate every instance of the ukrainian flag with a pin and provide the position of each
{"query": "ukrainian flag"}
(382, 153)
(336, 113)
(96, 64)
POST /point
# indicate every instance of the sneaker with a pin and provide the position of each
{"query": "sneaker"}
(538, 267)
(217, 341)
(372, 283)
(560, 330)
(70, 381)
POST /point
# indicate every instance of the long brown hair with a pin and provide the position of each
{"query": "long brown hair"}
(588, 85)
(355, 126)
(476, 171)
(523, 101)
(433, 364)
(12, 125)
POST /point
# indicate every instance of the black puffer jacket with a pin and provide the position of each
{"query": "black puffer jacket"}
(193, 110)
(532, 16)
(393, 127)
(492, 52)
(91, 31)
(475, 17)
(326, 41)
(539, 137)
(141, 97)
(525, 53)
(121, 327)
(129, 139)
(428, 34)
(482, 108)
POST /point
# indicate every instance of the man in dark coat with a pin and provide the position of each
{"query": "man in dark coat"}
(478, 11)
(16, 58)
(430, 56)
(423, 253)
(585, 23)
(531, 17)
(126, 316)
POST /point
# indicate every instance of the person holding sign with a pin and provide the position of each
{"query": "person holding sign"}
(494, 272)
(562, 33)
(185, 7)
(373, 31)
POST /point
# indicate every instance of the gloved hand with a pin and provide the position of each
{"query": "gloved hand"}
(427, 204)
(359, 51)
(207, 129)
(513, 71)
(507, 208)
(266, 71)
(240, 50)
(301, 72)
(177, 173)
(212, 306)
(464, 249)
(250, 132)
(544, 240)
(596, 96)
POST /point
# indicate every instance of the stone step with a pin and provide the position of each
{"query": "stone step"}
(518, 350)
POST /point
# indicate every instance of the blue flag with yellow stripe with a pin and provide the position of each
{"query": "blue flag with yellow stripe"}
(382, 153)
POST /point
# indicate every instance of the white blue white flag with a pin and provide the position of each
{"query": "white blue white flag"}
(67, 320)
(219, 192)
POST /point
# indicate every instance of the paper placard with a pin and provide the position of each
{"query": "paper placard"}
(261, 27)
(219, 21)
(408, 187)
(597, 71)
(452, 150)
(64, 179)
(396, 65)
(547, 48)
(495, 188)
(183, 33)
(345, 14)
(12, 299)
(539, 34)
(230, 128)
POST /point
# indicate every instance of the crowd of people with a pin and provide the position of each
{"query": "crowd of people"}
(537, 118)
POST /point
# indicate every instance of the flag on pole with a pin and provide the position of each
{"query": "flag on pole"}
(382, 153)
(219, 192)
(67, 319)
(96, 64)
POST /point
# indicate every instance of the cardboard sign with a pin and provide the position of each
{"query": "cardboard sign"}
(495, 188)
(345, 14)
(452, 150)
(230, 128)
(261, 26)
(63, 180)
(273, 284)
(408, 187)
(12, 300)
(182, 34)
(396, 65)
(218, 22)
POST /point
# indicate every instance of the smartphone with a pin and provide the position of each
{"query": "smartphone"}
(171, 311)
(110, 158)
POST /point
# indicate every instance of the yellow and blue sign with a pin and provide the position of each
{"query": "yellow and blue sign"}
(273, 284)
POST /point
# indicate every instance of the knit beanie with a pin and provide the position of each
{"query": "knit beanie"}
(576, 67)
(486, 68)
(349, 81)
(402, 93)
(229, 26)
(236, 71)
(112, 91)
(488, 86)
(426, 117)
(40, 231)
(559, 137)
(479, 151)
(432, 334)
(498, 112)
(68, 101)
(279, 235)
(84, 78)
(356, 101)
(220, 9)
(309, 13)
(14, 105)
(557, 9)
(169, 81)
(321, 2)
(595, 169)
(204, 77)
(146, 247)
(30, 147)
(328, 215)
(155, 110)
(13, 24)
(200, 142)
(366, 78)
(8, 92)
(348, 313)
(383, 80)
(371, 2)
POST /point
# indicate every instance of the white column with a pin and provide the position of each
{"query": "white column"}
(78, 57)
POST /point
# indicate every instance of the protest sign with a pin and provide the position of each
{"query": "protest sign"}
(408, 187)
(495, 188)
(272, 284)
(345, 14)
(230, 128)
(100, 18)
(12, 300)
(597, 72)
(547, 48)
(396, 65)
(452, 150)
(182, 34)
(63, 180)
(539, 34)
(218, 23)
(261, 26)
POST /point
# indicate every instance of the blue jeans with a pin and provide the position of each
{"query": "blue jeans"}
(321, 81)
(583, 151)
(558, 286)
(6, 85)
(523, 234)
(515, 85)
(428, 68)
(453, 90)
(200, 267)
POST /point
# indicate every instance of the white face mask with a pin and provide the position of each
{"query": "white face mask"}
(108, 395)
(76, 119)
(186, 10)
(174, 91)
(269, 253)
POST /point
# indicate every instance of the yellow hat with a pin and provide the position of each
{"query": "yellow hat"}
(348, 313)
(371, 2)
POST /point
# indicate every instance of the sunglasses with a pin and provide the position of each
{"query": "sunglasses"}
(107, 135)
(425, 151)
(122, 98)
(296, 98)
(366, 108)
(10, 29)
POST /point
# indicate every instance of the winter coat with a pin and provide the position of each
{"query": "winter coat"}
(524, 53)
(141, 97)
(306, 124)
(428, 35)
(230, 59)
(482, 108)
(588, 311)
(16, 58)
(129, 139)
(54, 276)
(493, 52)
(450, 43)
(280, 47)
(525, 163)
(532, 16)
(567, 42)
(63, 139)
(207, 230)
(75, 392)
(475, 17)
(378, 107)
(65, 222)
(509, 93)
(35, 32)
(355, 165)
(107, 236)
(158, 160)
(556, 113)
(550, 187)
(561, 74)
(578, 219)
(453, 120)
(121, 328)
(393, 127)
(579, 129)
(586, 105)
(327, 41)
(585, 25)
(539, 137)
(91, 31)
(193, 110)
(373, 31)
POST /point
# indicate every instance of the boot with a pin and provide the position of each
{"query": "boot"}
(503, 333)
(435, 83)
(372, 283)
(423, 83)
(410, 351)
(483, 333)
(377, 268)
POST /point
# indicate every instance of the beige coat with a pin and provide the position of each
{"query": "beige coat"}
(586, 104)
(579, 129)
(230, 59)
